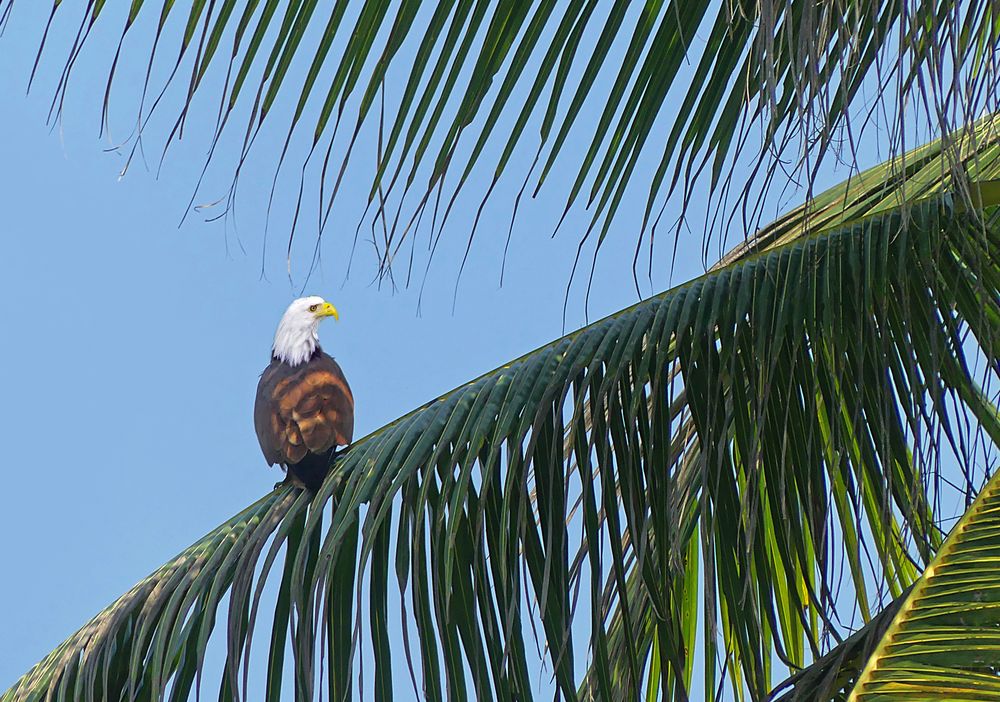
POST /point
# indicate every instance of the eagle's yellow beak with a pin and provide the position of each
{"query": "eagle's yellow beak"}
(328, 310)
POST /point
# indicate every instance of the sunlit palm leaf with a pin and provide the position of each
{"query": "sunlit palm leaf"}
(943, 642)
(689, 83)
(832, 676)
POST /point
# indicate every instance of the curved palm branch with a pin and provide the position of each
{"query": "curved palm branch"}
(701, 464)
(688, 84)
(922, 173)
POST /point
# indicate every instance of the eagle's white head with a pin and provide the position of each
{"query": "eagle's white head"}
(298, 331)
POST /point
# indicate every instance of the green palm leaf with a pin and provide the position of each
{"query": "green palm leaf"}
(701, 464)
(689, 85)
(922, 172)
(943, 641)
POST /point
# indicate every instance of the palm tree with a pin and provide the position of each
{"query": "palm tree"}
(714, 480)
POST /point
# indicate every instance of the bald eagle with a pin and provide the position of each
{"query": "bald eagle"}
(304, 408)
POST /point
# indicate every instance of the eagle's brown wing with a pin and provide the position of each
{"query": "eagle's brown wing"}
(308, 408)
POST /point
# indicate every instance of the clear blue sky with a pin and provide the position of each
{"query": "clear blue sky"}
(131, 346)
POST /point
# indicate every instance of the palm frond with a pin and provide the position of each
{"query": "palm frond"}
(460, 88)
(699, 466)
(923, 173)
(943, 642)
(831, 677)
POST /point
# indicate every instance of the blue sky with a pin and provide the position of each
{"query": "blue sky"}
(132, 345)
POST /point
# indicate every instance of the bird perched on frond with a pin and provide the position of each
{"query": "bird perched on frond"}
(304, 408)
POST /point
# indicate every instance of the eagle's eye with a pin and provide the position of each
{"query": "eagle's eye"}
(313, 308)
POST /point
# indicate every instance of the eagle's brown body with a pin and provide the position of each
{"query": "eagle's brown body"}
(302, 414)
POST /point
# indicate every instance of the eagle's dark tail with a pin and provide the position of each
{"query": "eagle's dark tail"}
(312, 470)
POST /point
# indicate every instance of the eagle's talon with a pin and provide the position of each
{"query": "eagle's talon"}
(291, 480)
